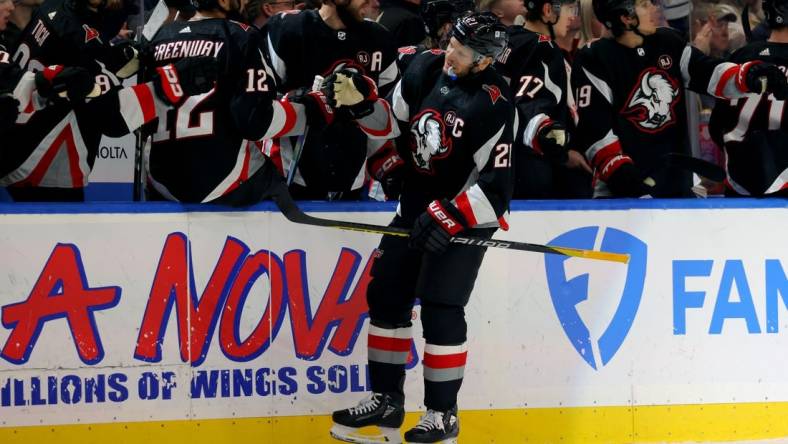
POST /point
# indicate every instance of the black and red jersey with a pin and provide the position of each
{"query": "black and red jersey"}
(301, 46)
(55, 146)
(752, 129)
(200, 150)
(459, 140)
(631, 101)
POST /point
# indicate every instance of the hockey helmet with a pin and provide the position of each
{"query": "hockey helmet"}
(482, 32)
(437, 13)
(609, 11)
(776, 12)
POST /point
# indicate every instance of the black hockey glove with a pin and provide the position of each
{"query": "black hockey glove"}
(9, 111)
(386, 167)
(762, 77)
(74, 82)
(318, 110)
(353, 95)
(126, 58)
(186, 77)
(551, 141)
(433, 230)
(628, 181)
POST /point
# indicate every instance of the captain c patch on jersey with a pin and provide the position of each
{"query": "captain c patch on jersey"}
(651, 102)
(429, 141)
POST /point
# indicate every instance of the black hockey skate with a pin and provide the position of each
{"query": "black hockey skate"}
(435, 427)
(383, 410)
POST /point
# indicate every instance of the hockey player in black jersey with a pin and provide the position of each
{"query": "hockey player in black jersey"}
(63, 142)
(335, 38)
(200, 151)
(461, 121)
(753, 129)
(535, 67)
(630, 99)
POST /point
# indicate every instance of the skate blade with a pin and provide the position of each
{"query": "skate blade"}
(358, 435)
(445, 441)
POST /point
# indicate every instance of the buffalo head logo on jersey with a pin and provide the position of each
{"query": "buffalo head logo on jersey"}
(650, 105)
(429, 139)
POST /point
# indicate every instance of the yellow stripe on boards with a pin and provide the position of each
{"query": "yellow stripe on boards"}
(582, 425)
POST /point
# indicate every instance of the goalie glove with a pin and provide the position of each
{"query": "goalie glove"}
(186, 77)
(351, 92)
(433, 230)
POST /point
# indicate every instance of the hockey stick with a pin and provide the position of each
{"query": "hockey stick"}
(693, 164)
(317, 83)
(291, 212)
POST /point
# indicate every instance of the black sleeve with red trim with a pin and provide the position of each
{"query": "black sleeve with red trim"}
(596, 116)
(709, 75)
(119, 112)
(256, 111)
(540, 93)
(486, 201)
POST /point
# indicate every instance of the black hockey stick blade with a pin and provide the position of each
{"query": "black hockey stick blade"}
(290, 210)
(698, 166)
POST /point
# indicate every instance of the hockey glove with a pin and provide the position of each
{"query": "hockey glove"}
(351, 93)
(762, 77)
(433, 230)
(186, 77)
(386, 167)
(628, 181)
(128, 59)
(551, 141)
(315, 104)
(9, 111)
(74, 82)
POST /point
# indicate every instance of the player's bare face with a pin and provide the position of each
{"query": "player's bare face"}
(567, 14)
(459, 59)
(646, 12)
(6, 6)
(357, 8)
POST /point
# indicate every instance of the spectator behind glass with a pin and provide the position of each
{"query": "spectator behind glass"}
(711, 24)
(258, 12)
(402, 18)
(507, 11)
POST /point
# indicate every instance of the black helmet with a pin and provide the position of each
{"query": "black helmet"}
(437, 13)
(609, 11)
(482, 32)
(776, 12)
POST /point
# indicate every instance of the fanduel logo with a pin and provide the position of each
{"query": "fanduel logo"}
(567, 294)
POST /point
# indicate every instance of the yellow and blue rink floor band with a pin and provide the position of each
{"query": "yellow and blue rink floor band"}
(582, 425)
